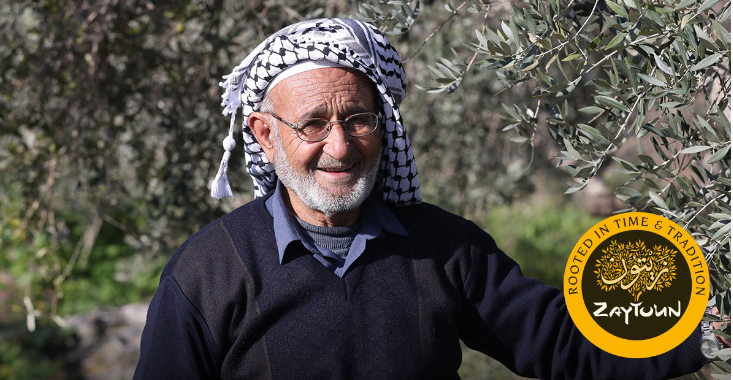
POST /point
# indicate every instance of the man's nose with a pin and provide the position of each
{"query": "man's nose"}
(337, 142)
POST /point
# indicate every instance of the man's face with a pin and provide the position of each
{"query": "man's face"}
(337, 174)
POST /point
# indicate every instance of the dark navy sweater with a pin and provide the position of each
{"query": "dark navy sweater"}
(227, 308)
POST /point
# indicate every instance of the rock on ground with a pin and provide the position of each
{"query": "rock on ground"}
(109, 341)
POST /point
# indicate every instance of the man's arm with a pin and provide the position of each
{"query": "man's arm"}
(176, 342)
(526, 325)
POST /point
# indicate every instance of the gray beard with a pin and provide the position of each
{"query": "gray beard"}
(313, 194)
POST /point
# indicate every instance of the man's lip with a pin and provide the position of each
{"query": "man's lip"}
(336, 170)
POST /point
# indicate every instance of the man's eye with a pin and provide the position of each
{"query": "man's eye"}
(361, 120)
(313, 124)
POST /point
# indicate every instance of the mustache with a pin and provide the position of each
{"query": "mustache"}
(327, 161)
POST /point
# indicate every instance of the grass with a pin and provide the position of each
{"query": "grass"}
(539, 235)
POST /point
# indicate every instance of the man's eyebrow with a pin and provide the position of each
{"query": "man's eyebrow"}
(356, 108)
(320, 111)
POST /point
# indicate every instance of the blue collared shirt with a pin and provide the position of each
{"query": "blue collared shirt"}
(375, 217)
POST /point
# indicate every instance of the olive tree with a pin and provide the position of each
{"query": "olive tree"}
(655, 78)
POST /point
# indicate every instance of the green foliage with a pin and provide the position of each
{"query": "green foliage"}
(52, 276)
(539, 235)
(466, 164)
(38, 355)
(654, 75)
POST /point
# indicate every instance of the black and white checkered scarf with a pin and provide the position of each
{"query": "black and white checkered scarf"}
(348, 43)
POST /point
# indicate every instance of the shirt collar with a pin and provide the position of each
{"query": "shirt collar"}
(375, 216)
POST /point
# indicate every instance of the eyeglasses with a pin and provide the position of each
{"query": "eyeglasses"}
(317, 129)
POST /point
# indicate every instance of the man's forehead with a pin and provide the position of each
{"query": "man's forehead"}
(306, 93)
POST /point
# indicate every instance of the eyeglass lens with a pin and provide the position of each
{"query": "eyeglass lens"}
(357, 125)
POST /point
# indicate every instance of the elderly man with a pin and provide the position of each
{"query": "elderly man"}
(337, 270)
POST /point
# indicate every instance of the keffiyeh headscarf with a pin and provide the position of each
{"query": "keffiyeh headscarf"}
(346, 43)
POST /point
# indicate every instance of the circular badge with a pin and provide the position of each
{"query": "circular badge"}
(636, 285)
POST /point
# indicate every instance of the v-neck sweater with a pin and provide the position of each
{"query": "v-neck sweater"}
(227, 308)
(376, 218)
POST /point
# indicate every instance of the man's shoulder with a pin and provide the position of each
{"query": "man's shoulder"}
(430, 225)
(213, 245)
(423, 215)
(250, 215)
(434, 225)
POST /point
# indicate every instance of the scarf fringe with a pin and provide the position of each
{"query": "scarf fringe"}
(220, 187)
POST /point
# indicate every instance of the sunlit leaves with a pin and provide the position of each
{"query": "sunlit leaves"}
(617, 9)
(616, 40)
(709, 61)
(398, 19)
(659, 75)
(721, 154)
(694, 149)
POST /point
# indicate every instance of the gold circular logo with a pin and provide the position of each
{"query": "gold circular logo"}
(636, 285)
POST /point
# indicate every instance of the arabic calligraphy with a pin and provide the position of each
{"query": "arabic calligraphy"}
(635, 268)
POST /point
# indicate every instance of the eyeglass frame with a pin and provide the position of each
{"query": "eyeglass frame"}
(330, 125)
